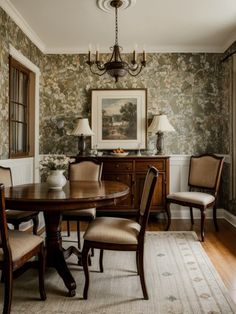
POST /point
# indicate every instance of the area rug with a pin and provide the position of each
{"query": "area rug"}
(179, 275)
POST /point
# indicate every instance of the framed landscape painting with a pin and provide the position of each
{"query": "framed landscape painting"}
(119, 118)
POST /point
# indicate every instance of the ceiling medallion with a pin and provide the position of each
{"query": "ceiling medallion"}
(106, 6)
(116, 66)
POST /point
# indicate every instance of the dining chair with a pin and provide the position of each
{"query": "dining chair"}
(121, 234)
(16, 249)
(203, 181)
(16, 217)
(89, 169)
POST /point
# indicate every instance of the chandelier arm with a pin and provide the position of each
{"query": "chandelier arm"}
(96, 73)
(133, 73)
(100, 66)
(112, 55)
(119, 55)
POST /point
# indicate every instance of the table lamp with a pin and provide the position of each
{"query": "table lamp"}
(159, 125)
(82, 129)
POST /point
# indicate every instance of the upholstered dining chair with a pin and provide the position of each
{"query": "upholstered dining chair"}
(89, 169)
(16, 248)
(16, 217)
(121, 234)
(203, 181)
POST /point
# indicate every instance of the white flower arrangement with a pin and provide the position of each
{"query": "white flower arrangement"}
(53, 162)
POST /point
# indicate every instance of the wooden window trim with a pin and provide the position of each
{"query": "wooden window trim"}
(30, 107)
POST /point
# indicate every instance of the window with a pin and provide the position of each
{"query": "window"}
(21, 110)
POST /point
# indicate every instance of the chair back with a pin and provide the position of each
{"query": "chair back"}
(87, 170)
(205, 172)
(4, 241)
(5, 176)
(146, 200)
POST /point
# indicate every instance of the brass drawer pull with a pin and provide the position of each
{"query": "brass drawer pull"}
(117, 165)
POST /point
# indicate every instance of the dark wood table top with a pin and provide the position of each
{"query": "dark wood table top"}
(74, 195)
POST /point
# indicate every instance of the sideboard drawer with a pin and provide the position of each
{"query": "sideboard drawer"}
(114, 165)
(144, 165)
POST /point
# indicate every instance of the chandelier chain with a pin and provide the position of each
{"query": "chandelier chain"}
(116, 12)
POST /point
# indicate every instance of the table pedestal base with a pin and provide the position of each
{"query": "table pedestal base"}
(55, 252)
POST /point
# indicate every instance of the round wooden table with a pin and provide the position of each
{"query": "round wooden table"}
(75, 195)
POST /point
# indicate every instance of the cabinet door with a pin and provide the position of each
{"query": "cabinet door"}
(158, 201)
(127, 179)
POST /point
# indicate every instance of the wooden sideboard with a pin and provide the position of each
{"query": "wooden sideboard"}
(132, 170)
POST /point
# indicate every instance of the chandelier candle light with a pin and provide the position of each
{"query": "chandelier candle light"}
(160, 124)
(116, 67)
(82, 129)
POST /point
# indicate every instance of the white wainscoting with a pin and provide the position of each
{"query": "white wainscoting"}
(22, 169)
(22, 173)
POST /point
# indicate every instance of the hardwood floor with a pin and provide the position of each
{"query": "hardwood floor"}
(219, 246)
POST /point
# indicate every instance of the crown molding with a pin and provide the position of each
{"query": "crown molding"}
(153, 49)
(229, 42)
(21, 22)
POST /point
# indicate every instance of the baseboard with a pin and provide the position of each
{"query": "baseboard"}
(184, 213)
(230, 218)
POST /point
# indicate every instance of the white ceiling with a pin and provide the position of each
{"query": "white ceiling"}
(69, 26)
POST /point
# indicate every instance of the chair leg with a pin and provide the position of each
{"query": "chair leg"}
(101, 261)
(41, 272)
(168, 216)
(191, 215)
(35, 224)
(68, 228)
(78, 235)
(16, 226)
(85, 255)
(137, 261)
(7, 290)
(141, 273)
(203, 216)
(215, 218)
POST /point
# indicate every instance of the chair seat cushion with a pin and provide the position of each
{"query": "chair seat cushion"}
(19, 214)
(198, 198)
(21, 243)
(113, 230)
(81, 214)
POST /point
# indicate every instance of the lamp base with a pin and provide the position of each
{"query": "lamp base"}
(160, 143)
(81, 146)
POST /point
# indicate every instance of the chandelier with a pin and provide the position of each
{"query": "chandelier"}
(116, 66)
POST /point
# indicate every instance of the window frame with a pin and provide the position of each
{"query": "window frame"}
(29, 107)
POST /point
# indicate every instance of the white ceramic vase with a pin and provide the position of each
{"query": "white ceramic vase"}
(56, 180)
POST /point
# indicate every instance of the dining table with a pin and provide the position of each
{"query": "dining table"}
(74, 195)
